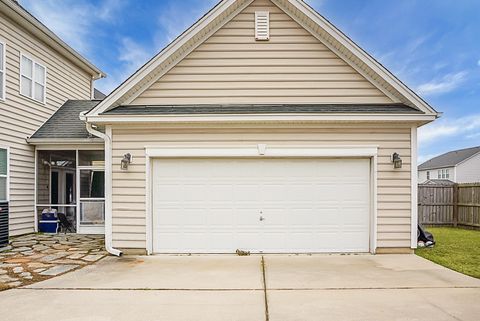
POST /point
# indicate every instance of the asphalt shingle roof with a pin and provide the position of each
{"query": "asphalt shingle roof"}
(450, 159)
(263, 109)
(65, 123)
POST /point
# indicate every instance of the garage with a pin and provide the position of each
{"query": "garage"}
(275, 205)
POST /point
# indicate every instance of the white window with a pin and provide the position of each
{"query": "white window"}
(2, 70)
(32, 79)
(3, 174)
(428, 174)
(439, 174)
(447, 174)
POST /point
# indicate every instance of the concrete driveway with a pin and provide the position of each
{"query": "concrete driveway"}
(276, 288)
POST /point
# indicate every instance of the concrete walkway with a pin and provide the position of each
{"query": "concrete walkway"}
(276, 288)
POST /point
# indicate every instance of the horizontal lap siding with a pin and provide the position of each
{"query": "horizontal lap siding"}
(231, 67)
(129, 217)
(21, 117)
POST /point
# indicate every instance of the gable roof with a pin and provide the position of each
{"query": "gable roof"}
(450, 159)
(21, 16)
(303, 14)
(65, 123)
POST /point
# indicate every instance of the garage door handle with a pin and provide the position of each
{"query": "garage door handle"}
(262, 218)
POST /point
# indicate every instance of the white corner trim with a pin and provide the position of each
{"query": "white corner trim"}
(374, 200)
(414, 182)
(35, 190)
(148, 205)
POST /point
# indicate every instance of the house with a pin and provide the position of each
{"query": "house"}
(38, 73)
(459, 166)
(262, 128)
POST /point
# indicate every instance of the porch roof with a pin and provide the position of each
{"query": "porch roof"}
(66, 123)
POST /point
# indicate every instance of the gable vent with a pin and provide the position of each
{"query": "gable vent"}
(262, 25)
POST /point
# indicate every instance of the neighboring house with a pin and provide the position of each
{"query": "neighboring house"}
(459, 166)
(262, 128)
(38, 73)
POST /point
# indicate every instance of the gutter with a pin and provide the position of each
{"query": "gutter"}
(108, 187)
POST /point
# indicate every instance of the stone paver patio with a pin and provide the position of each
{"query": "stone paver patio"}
(37, 257)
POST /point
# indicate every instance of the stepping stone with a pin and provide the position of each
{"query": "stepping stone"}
(36, 265)
(3, 272)
(76, 256)
(14, 284)
(5, 248)
(9, 265)
(38, 270)
(59, 269)
(40, 247)
(18, 269)
(18, 260)
(25, 275)
(92, 258)
(21, 249)
(52, 257)
(28, 253)
(6, 278)
(65, 261)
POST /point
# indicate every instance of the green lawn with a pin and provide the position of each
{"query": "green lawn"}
(456, 249)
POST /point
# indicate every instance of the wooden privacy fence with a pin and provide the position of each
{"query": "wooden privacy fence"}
(455, 205)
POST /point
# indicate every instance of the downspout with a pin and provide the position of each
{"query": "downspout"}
(108, 186)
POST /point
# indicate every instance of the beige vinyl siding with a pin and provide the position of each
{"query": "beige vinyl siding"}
(394, 187)
(231, 67)
(21, 117)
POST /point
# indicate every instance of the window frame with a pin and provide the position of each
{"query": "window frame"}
(7, 187)
(34, 63)
(428, 174)
(3, 70)
(447, 173)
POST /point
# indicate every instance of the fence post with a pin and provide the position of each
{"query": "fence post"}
(455, 205)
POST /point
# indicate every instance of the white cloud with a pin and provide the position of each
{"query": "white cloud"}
(445, 84)
(177, 17)
(74, 21)
(444, 128)
(478, 62)
(132, 56)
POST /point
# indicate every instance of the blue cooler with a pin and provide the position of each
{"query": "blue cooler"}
(48, 227)
(48, 223)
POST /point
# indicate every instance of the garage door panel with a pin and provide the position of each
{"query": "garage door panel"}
(215, 205)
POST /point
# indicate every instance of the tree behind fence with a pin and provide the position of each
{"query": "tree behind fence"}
(450, 205)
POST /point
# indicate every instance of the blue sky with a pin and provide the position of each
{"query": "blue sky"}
(431, 45)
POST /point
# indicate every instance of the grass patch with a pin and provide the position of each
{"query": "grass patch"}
(457, 249)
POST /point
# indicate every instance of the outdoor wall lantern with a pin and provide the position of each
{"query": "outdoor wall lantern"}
(127, 159)
(397, 161)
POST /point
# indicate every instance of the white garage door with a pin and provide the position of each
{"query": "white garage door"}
(261, 205)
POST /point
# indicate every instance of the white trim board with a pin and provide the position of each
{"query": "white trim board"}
(414, 182)
(261, 151)
(7, 187)
(300, 12)
(369, 118)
